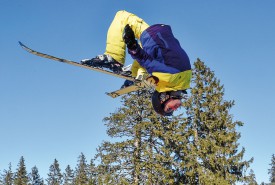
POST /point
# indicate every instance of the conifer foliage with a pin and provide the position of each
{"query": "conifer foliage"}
(82, 171)
(7, 176)
(200, 148)
(83, 174)
(215, 139)
(143, 153)
(35, 178)
(198, 145)
(271, 171)
(123, 161)
(251, 180)
(54, 175)
(68, 176)
(21, 176)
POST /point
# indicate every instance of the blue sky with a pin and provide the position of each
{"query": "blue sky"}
(51, 110)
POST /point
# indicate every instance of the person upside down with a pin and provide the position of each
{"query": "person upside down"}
(160, 55)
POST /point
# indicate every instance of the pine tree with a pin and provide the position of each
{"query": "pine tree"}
(199, 148)
(21, 177)
(145, 154)
(271, 171)
(82, 171)
(54, 175)
(68, 176)
(251, 179)
(121, 161)
(35, 178)
(214, 142)
(92, 173)
(7, 176)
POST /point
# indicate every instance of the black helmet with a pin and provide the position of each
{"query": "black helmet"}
(159, 100)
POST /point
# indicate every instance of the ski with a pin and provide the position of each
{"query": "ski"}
(138, 84)
(75, 63)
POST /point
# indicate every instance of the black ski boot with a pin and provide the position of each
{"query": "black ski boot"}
(104, 61)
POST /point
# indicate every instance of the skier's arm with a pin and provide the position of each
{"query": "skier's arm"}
(133, 47)
(151, 65)
(143, 58)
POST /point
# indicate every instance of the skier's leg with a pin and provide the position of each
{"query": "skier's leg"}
(115, 46)
(137, 70)
(114, 56)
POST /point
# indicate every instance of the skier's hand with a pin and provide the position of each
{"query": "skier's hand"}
(152, 80)
(129, 38)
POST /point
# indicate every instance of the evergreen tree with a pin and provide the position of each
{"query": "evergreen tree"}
(35, 178)
(1, 182)
(68, 176)
(214, 142)
(7, 176)
(92, 173)
(251, 180)
(120, 160)
(82, 171)
(271, 171)
(145, 153)
(54, 175)
(21, 177)
(200, 148)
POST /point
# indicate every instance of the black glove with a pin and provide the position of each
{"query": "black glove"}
(129, 38)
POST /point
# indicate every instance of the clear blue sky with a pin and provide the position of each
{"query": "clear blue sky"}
(51, 110)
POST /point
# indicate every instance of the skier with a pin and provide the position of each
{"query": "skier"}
(160, 55)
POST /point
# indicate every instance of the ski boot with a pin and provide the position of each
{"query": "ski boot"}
(126, 70)
(104, 61)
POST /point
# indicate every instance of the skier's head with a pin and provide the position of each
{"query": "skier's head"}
(165, 103)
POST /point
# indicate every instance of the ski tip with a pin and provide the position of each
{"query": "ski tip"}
(21, 44)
